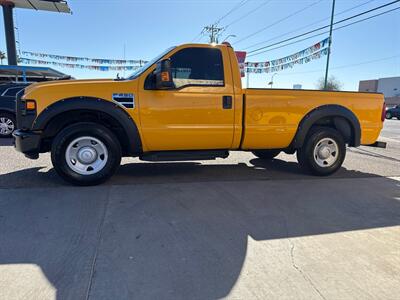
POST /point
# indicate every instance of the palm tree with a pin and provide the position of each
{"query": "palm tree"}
(2, 56)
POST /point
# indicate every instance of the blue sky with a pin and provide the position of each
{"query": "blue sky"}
(100, 28)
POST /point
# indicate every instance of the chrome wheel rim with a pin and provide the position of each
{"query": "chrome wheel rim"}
(326, 152)
(86, 155)
(7, 126)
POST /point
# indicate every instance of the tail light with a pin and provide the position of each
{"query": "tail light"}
(383, 116)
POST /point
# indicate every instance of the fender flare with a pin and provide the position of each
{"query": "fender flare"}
(112, 109)
(338, 112)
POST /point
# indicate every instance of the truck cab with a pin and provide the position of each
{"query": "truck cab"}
(187, 104)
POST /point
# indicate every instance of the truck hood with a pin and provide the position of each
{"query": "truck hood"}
(48, 93)
(64, 83)
(53, 91)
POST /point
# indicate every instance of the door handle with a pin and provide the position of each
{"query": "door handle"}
(227, 102)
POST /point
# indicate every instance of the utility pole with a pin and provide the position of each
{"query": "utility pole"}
(124, 59)
(213, 32)
(271, 83)
(8, 7)
(329, 45)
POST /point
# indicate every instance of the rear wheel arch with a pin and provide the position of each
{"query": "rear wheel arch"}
(335, 116)
(68, 111)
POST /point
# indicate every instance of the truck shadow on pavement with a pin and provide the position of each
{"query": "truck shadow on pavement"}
(185, 238)
(175, 172)
(175, 241)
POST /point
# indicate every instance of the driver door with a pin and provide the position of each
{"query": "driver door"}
(198, 113)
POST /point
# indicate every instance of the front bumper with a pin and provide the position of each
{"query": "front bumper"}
(27, 142)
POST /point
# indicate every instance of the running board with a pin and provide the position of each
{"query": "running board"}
(184, 155)
(377, 144)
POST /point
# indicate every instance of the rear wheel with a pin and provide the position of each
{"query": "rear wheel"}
(86, 154)
(323, 152)
(266, 154)
(7, 124)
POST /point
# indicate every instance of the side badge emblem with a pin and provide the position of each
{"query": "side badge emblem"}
(127, 100)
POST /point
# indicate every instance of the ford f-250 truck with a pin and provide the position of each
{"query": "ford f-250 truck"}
(188, 104)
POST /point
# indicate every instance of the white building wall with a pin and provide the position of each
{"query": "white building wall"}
(390, 87)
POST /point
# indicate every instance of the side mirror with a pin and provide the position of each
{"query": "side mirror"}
(164, 75)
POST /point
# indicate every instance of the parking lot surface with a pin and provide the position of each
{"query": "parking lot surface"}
(239, 228)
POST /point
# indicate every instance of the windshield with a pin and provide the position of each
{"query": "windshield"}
(143, 68)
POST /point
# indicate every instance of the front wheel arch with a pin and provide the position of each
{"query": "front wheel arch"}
(79, 109)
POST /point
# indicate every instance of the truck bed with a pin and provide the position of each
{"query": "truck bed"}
(272, 116)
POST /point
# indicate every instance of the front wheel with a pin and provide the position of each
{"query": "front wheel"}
(389, 115)
(323, 152)
(86, 153)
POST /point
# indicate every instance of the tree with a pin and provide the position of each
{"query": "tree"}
(2, 56)
(333, 84)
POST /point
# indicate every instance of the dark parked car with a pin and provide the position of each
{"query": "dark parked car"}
(8, 92)
(393, 112)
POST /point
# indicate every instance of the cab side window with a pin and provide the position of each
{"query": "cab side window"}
(197, 67)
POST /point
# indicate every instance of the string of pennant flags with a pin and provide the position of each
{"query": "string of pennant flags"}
(304, 56)
(103, 61)
(29, 61)
(300, 61)
(314, 48)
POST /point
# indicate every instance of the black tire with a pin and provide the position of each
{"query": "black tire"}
(7, 117)
(388, 115)
(266, 154)
(85, 129)
(315, 138)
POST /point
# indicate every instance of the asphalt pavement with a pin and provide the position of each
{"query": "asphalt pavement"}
(239, 228)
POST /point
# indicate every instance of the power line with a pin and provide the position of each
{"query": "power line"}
(231, 11)
(326, 26)
(278, 21)
(248, 13)
(322, 33)
(319, 34)
(245, 15)
(346, 66)
(197, 37)
(306, 26)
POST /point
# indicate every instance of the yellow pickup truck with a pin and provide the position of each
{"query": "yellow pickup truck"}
(188, 104)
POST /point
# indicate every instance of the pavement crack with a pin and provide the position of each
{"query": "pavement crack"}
(98, 242)
(306, 278)
(365, 152)
(296, 267)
